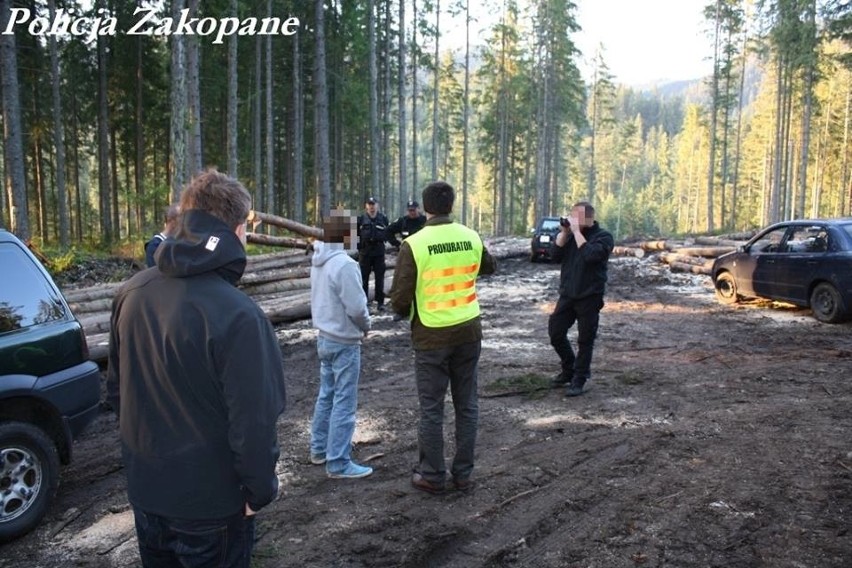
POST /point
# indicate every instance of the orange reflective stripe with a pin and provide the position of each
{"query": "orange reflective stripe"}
(452, 271)
(443, 289)
(451, 303)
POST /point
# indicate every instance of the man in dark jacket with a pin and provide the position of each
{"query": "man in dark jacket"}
(406, 225)
(583, 247)
(434, 284)
(168, 229)
(195, 373)
(372, 234)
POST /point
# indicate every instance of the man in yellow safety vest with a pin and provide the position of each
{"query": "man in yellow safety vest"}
(434, 285)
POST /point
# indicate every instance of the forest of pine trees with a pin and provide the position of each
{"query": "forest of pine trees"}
(368, 97)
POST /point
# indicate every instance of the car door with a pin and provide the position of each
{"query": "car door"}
(757, 271)
(805, 251)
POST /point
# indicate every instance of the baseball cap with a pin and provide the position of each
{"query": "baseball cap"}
(413, 204)
(371, 200)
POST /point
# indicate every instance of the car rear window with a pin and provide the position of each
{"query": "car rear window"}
(550, 225)
(26, 298)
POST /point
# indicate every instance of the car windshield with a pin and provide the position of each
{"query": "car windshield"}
(550, 224)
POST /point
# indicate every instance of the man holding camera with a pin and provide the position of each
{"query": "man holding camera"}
(583, 248)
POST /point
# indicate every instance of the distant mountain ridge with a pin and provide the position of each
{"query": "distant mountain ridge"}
(696, 91)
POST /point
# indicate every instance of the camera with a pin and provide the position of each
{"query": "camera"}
(565, 221)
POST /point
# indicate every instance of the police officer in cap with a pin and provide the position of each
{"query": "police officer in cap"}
(406, 225)
(372, 234)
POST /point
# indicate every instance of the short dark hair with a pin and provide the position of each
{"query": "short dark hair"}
(438, 198)
(219, 195)
(587, 208)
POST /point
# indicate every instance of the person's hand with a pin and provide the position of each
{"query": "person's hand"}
(249, 511)
(575, 223)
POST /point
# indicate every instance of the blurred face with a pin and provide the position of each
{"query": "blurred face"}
(371, 208)
(413, 212)
(341, 227)
(580, 213)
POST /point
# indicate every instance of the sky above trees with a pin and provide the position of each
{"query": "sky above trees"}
(648, 40)
(644, 41)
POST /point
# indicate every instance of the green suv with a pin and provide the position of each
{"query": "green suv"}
(49, 390)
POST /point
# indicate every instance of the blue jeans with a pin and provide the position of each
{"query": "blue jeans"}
(334, 413)
(166, 542)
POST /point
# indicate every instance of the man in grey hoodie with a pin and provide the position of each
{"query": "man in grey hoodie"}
(339, 312)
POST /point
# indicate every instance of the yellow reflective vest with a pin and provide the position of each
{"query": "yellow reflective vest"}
(447, 257)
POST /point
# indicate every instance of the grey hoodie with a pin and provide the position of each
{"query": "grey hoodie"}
(338, 304)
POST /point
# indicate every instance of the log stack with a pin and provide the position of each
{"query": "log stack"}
(279, 282)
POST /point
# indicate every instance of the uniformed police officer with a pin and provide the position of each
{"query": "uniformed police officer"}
(407, 224)
(372, 234)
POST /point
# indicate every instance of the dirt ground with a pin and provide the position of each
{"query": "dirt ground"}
(710, 436)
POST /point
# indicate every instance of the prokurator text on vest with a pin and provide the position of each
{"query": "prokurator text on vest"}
(441, 248)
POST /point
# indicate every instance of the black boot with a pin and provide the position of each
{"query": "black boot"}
(561, 380)
(576, 386)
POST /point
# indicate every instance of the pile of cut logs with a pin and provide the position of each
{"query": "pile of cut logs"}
(280, 282)
(695, 255)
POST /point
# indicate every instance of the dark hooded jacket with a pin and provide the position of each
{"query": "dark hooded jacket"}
(195, 372)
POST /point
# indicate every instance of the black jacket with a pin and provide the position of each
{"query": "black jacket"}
(151, 248)
(372, 234)
(583, 272)
(195, 372)
(405, 226)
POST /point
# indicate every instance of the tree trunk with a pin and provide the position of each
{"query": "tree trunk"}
(466, 111)
(270, 146)
(233, 96)
(807, 104)
(195, 159)
(38, 184)
(375, 150)
(257, 126)
(298, 132)
(104, 190)
(177, 138)
(58, 139)
(139, 163)
(403, 167)
(714, 113)
(414, 67)
(321, 120)
(13, 144)
(435, 85)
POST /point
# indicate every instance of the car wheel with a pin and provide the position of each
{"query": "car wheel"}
(827, 304)
(726, 288)
(29, 476)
